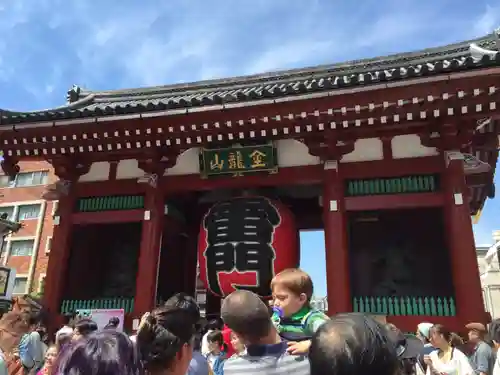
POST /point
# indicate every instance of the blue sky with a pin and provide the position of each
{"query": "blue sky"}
(48, 45)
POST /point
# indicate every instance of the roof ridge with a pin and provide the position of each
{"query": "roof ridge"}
(72, 105)
(472, 54)
(282, 76)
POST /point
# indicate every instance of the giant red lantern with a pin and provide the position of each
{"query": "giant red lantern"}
(244, 242)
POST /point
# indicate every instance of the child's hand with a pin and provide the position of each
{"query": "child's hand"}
(298, 348)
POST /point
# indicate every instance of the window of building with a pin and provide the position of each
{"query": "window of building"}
(22, 248)
(48, 244)
(29, 212)
(20, 285)
(9, 211)
(55, 208)
(5, 181)
(41, 284)
(31, 179)
(3, 250)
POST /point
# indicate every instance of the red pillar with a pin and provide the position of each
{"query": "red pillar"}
(462, 248)
(336, 245)
(149, 253)
(55, 279)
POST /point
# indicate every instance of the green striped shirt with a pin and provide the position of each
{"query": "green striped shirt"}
(304, 322)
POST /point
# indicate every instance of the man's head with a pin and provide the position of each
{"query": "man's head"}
(247, 316)
(352, 344)
(292, 290)
(476, 332)
(186, 303)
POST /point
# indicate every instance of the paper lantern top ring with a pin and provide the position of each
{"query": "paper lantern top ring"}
(244, 242)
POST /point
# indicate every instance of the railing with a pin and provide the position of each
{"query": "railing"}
(426, 306)
(70, 306)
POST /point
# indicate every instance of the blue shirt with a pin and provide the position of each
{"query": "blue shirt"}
(197, 366)
(481, 360)
(267, 360)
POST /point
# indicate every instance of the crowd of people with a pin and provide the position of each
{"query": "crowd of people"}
(251, 337)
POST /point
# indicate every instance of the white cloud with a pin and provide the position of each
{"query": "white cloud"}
(487, 21)
(157, 42)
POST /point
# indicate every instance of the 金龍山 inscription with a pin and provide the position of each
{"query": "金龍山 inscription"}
(238, 160)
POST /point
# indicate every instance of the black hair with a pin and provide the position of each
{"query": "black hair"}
(216, 337)
(352, 344)
(69, 320)
(102, 353)
(163, 334)
(214, 324)
(34, 318)
(113, 323)
(185, 302)
(85, 326)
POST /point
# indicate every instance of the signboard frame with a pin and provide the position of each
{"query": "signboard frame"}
(241, 150)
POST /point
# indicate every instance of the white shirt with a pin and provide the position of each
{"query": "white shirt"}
(458, 365)
(204, 343)
(496, 366)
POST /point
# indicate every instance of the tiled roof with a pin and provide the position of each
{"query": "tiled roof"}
(472, 54)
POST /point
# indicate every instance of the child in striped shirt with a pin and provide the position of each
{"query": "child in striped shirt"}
(293, 316)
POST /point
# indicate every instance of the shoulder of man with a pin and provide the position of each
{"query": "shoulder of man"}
(298, 364)
(484, 348)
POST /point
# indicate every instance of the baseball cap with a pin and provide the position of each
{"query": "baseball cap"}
(424, 328)
(479, 327)
(407, 346)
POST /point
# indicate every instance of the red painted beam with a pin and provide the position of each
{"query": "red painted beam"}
(110, 187)
(392, 168)
(302, 175)
(392, 202)
(107, 217)
(305, 175)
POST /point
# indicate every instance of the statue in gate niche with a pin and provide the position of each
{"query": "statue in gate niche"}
(395, 271)
(244, 242)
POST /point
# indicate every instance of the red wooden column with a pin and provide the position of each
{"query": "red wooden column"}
(462, 248)
(336, 246)
(57, 268)
(149, 256)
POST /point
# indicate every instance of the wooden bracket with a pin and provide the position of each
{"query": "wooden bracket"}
(69, 168)
(447, 137)
(329, 147)
(155, 165)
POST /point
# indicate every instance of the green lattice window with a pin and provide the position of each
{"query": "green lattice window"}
(404, 306)
(110, 203)
(397, 185)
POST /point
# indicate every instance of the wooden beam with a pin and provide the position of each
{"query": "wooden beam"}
(301, 175)
(392, 202)
(108, 217)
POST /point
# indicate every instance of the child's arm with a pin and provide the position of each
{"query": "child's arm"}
(316, 321)
(299, 348)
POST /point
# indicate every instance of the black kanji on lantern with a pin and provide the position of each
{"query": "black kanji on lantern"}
(239, 236)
